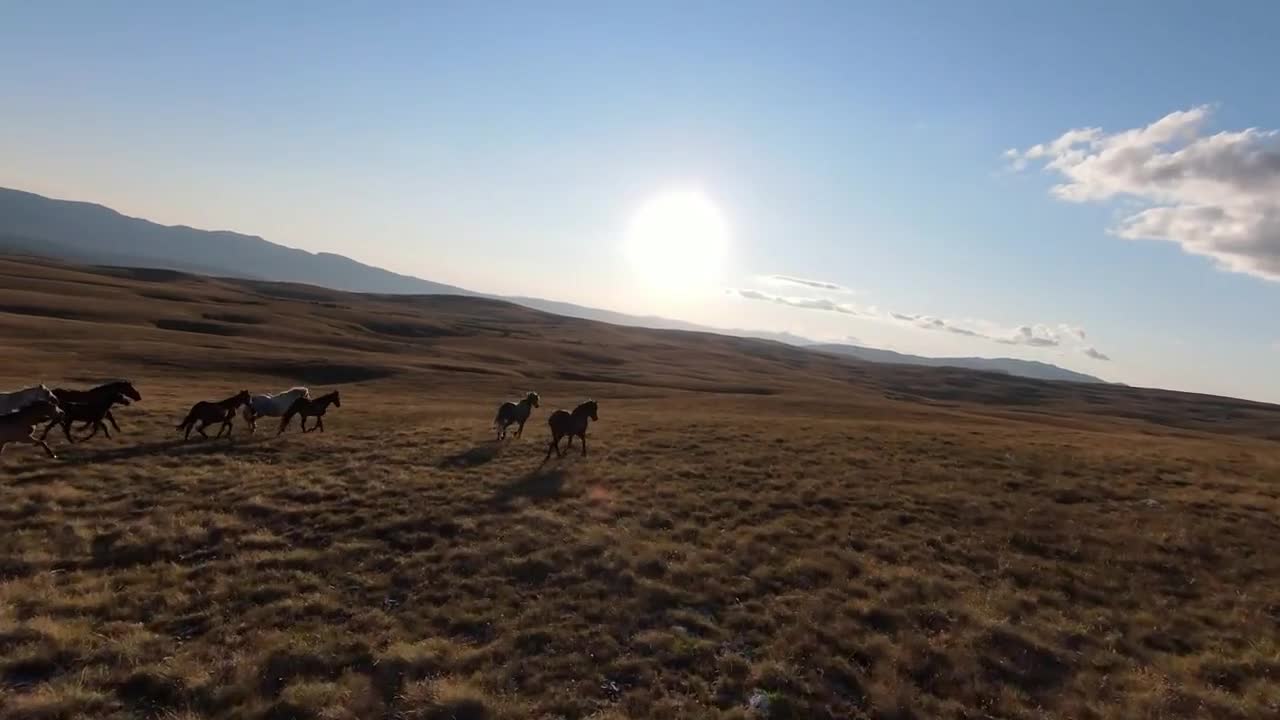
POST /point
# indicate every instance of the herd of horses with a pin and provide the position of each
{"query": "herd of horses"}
(22, 412)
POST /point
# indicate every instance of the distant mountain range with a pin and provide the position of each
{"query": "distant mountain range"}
(87, 233)
(1009, 366)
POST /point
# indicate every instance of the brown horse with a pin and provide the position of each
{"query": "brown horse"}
(575, 423)
(305, 407)
(20, 426)
(206, 413)
(91, 412)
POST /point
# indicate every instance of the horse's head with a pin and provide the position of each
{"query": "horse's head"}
(126, 388)
(121, 399)
(532, 399)
(337, 399)
(242, 397)
(590, 409)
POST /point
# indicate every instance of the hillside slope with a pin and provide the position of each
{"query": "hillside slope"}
(756, 525)
(86, 233)
(171, 321)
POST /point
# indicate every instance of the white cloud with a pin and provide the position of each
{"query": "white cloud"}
(816, 284)
(1037, 335)
(1215, 195)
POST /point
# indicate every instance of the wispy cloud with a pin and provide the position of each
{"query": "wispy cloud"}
(806, 303)
(1215, 195)
(816, 284)
(1038, 335)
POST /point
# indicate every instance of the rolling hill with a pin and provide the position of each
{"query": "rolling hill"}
(757, 531)
(93, 234)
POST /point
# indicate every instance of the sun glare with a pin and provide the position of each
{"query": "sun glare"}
(677, 243)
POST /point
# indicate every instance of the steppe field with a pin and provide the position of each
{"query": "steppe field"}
(758, 531)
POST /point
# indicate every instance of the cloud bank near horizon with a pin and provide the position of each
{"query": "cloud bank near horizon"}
(1036, 335)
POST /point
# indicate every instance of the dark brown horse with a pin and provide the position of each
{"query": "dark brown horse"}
(206, 413)
(575, 423)
(20, 425)
(111, 390)
(305, 407)
(91, 412)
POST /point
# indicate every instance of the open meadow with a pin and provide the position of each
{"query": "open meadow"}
(757, 531)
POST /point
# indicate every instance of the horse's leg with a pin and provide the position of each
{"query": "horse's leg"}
(584, 444)
(320, 423)
(112, 419)
(98, 424)
(95, 432)
(47, 450)
(203, 424)
(553, 445)
(520, 430)
(47, 428)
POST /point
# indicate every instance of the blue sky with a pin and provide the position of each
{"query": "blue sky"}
(505, 146)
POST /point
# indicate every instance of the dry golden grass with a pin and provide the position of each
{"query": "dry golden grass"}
(754, 524)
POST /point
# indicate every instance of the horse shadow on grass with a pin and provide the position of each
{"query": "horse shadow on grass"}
(74, 455)
(471, 457)
(538, 486)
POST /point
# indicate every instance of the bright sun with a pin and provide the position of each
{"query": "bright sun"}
(677, 242)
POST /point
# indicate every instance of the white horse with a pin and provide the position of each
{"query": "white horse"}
(515, 413)
(18, 399)
(272, 405)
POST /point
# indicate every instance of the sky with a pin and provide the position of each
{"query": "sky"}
(1095, 185)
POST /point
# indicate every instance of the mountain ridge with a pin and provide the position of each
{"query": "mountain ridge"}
(92, 233)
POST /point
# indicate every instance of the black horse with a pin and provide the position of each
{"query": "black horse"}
(208, 412)
(120, 392)
(91, 413)
(305, 407)
(571, 424)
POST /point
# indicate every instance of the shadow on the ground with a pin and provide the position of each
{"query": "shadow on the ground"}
(537, 485)
(472, 457)
(79, 454)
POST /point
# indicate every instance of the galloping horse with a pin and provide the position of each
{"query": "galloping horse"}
(20, 426)
(119, 392)
(18, 399)
(575, 423)
(305, 407)
(510, 413)
(207, 413)
(91, 413)
(267, 405)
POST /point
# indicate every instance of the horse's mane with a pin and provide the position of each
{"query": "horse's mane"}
(296, 388)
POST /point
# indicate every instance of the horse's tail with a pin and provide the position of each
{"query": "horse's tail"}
(498, 418)
(189, 420)
(247, 411)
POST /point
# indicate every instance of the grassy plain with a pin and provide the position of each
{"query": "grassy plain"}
(754, 525)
